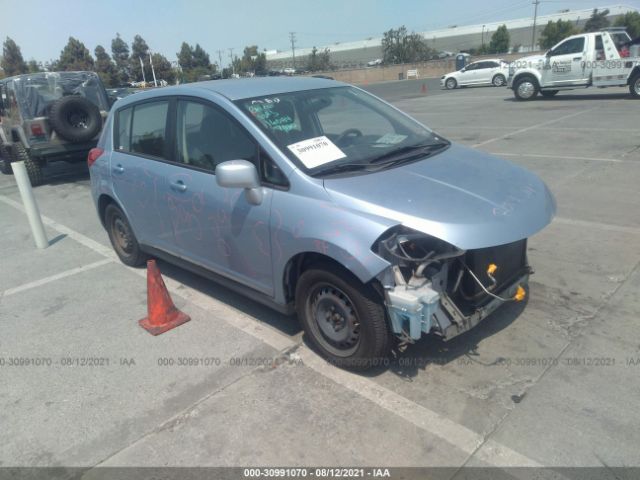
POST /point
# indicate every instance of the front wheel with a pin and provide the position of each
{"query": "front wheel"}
(5, 160)
(122, 238)
(525, 88)
(499, 81)
(451, 83)
(343, 318)
(634, 86)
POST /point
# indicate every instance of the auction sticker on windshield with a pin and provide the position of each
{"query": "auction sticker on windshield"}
(314, 152)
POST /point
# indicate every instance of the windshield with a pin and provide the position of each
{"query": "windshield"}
(35, 93)
(333, 127)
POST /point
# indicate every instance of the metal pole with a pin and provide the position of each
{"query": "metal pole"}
(30, 205)
(533, 30)
(155, 82)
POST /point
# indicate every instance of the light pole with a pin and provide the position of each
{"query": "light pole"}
(483, 36)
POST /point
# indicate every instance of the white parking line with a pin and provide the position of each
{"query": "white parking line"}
(562, 157)
(435, 424)
(532, 127)
(57, 276)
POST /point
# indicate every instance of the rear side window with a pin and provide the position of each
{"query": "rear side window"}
(122, 139)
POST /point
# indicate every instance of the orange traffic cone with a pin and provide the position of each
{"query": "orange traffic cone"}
(423, 89)
(162, 313)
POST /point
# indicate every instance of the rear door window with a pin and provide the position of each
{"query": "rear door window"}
(142, 129)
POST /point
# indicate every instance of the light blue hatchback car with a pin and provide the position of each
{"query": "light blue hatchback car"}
(313, 196)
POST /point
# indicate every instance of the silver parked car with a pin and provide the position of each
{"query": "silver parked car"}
(315, 197)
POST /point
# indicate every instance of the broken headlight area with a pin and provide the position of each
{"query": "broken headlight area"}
(434, 287)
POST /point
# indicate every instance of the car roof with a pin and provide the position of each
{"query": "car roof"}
(238, 89)
(489, 60)
(35, 74)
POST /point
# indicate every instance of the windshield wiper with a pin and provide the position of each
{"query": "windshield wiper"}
(409, 152)
(342, 167)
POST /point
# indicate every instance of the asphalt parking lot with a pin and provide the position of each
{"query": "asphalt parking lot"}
(551, 383)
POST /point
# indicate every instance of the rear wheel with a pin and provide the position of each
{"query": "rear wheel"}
(5, 160)
(34, 167)
(548, 93)
(123, 240)
(525, 88)
(499, 80)
(451, 83)
(634, 86)
(344, 319)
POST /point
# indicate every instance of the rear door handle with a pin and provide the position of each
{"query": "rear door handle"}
(179, 186)
(118, 169)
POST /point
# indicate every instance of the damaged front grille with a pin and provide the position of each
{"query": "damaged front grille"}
(495, 267)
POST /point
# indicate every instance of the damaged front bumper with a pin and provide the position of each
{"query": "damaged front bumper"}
(434, 287)
(417, 311)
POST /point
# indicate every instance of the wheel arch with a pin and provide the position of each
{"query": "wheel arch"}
(533, 74)
(302, 261)
(104, 200)
(634, 73)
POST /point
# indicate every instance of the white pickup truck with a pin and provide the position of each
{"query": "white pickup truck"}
(598, 59)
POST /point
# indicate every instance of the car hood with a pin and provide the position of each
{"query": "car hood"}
(465, 197)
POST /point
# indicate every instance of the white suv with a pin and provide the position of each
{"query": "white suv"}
(493, 71)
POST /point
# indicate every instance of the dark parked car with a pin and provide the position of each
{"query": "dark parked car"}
(50, 116)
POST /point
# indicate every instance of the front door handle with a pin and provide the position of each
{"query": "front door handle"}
(118, 169)
(179, 186)
(577, 58)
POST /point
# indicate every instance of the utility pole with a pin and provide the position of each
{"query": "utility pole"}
(233, 68)
(220, 58)
(533, 30)
(292, 37)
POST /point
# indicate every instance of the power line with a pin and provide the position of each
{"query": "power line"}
(533, 30)
(220, 58)
(233, 68)
(292, 37)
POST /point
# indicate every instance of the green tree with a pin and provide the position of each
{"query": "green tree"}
(554, 32)
(105, 68)
(12, 61)
(319, 61)
(253, 61)
(399, 46)
(75, 56)
(139, 57)
(597, 21)
(630, 20)
(163, 68)
(120, 55)
(194, 63)
(500, 40)
(33, 66)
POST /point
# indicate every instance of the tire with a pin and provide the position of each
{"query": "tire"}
(358, 336)
(451, 83)
(5, 160)
(499, 80)
(122, 238)
(634, 86)
(549, 93)
(75, 119)
(525, 88)
(34, 167)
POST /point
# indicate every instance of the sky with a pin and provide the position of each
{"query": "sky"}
(42, 27)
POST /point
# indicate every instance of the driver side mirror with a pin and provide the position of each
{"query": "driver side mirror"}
(241, 174)
(549, 53)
